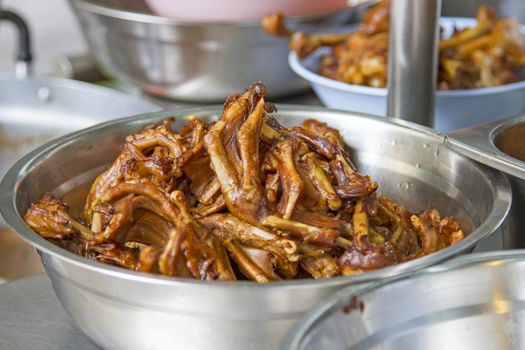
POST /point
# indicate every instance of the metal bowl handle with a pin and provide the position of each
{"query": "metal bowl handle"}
(477, 143)
(25, 56)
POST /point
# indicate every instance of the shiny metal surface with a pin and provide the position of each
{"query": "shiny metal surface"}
(487, 144)
(472, 302)
(500, 145)
(412, 62)
(199, 62)
(32, 318)
(36, 110)
(410, 162)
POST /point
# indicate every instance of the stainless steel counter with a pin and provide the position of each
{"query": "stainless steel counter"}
(32, 318)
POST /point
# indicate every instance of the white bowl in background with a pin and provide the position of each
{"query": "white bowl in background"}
(455, 109)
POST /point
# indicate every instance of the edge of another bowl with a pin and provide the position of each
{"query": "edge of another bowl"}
(340, 298)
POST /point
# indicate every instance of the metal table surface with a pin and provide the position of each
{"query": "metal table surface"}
(31, 317)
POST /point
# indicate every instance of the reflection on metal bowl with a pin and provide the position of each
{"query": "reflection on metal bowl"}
(121, 309)
(500, 145)
(190, 61)
(36, 110)
(472, 302)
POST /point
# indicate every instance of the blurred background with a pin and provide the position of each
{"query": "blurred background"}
(54, 28)
(56, 32)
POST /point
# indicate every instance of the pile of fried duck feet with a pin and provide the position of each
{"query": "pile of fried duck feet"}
(491, 53)
(240, 198)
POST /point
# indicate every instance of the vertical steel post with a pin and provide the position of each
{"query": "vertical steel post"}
(413, 56)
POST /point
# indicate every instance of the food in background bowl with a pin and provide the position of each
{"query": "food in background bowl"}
(239, 10)
(455, 109)
(490, 53)
(241, 198)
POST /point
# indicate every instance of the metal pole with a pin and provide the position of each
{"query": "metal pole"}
(412, 63)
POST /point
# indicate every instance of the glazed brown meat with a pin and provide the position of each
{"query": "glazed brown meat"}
(241, 198)
(491, 53)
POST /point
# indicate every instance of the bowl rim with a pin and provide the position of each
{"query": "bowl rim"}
(479, 142)
(151, 18)
(317, 79)
(499, 129)
(81, 86)
(334, 302)
(500, 189)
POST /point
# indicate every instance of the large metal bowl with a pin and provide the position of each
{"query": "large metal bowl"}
(121, 309)
(472, 302)
(191, 61)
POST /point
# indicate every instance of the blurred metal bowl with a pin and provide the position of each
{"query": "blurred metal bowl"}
(455, 109)
(472, 302)
(121, 309)
(191, 61)
(500, 145)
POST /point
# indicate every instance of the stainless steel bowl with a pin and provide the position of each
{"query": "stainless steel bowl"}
(190, 61)
(500, 145)
(472, 302)
(121, 309)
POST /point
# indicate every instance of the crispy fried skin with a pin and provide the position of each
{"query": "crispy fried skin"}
(277, 203)
(49, 217)
(291, 183)
(238, 171)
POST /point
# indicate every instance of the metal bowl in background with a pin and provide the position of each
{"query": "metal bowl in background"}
(191, 61)
(34, 111)
(121, 309)
(472, 302)
(455, 109)
(501, 145)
